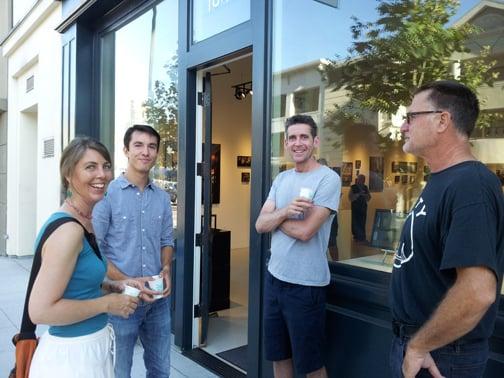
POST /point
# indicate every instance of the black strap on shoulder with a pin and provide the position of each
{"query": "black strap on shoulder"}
(27, 326)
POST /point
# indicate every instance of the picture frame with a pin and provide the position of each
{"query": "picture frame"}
(412, 167)
(357, 164)
(346, 173)
(404, 179)
(397, 179)
(395, 167)
(243, 161)
(245, 177)
(215, 172)
(403, 167)
(412, 179)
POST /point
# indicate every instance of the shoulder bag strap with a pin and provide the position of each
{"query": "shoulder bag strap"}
(27, 326)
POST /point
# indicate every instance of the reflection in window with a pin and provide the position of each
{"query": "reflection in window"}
(306, 100)
(364, 74)
(211, 17)
(143, 90)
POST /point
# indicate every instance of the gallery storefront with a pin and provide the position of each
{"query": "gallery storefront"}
(217, 78)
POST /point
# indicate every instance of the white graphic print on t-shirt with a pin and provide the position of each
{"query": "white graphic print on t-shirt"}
(402, 256)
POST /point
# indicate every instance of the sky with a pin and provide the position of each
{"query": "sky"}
(304, 39)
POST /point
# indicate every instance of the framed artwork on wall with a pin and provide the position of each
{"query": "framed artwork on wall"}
(346, 173)
(215, 172)
(395, 167)
(244, 161)
(376, 174)
(412, 167)
(245, 177)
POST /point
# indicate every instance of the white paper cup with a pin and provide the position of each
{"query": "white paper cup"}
(131, 291)
(157, 285)
(306, 193)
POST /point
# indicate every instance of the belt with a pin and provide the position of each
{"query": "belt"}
(400, 329)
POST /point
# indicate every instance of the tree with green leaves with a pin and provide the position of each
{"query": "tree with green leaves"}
(161, 111)
(408, 45)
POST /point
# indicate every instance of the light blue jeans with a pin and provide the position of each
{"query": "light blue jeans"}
(150, 322)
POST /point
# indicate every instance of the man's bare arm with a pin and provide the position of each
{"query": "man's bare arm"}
(306, 228)
(459, 312)
(271, 218)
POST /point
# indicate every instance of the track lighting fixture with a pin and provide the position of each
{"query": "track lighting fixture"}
(242, 90)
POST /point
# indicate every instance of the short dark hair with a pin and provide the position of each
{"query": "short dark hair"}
(141, 129)
(456, 98)
(301, 118)
(74, 151)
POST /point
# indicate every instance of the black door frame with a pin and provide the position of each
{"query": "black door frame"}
(224, 46)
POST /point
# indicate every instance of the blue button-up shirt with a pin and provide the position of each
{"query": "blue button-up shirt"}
(132, 226)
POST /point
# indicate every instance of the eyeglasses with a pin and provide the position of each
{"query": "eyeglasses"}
(409, 116)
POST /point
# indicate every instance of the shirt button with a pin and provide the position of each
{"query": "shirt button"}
(143, 247)
(143, 212)
(138, 193)
(124, 217)
(143, 229)
(144, 265)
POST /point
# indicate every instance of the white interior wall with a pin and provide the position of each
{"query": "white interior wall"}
(232, 129)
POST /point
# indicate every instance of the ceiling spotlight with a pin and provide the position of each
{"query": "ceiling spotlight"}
(242, 90)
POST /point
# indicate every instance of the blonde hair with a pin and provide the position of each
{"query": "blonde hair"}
(74, 152)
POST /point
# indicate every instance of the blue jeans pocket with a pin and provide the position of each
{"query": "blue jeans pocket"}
(469, 371)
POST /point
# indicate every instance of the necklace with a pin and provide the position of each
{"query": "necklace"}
(87, 216)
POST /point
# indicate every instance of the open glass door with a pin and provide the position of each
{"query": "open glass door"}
(203, 210)
(222, 195)
(206, 234)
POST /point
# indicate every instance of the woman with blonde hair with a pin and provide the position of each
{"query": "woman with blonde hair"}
(69, 293)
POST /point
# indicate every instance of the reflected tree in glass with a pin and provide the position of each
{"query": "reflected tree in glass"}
(407, 46)
(161, 111)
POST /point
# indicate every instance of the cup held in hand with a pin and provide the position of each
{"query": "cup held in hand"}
(306, 193)
(157, 285)
(131, 291)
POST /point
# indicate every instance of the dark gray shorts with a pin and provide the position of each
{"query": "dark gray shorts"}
(294, 323)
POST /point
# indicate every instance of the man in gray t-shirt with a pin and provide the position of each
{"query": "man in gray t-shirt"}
(298, 212)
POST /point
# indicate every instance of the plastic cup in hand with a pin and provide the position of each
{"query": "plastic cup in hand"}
(131, 291)
(306, 193)
(157, 285)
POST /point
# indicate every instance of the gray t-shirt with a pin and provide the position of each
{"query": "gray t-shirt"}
(292, 260)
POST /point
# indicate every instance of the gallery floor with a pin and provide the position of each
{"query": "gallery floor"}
(227, 329)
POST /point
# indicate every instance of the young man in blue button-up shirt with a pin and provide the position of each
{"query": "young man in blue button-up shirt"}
(134, 228)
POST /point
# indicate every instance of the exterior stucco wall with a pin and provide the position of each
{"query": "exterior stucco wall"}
(34, 49)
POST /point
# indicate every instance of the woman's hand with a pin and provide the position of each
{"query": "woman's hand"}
(121, 304)
(118, 286)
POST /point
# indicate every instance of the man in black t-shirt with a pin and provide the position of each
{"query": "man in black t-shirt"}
(448, 267)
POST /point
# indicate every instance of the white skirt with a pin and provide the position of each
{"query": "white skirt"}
(80, 357)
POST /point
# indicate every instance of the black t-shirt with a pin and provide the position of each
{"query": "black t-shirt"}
(458, 221)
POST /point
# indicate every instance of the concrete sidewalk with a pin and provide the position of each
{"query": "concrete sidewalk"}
(14, 273)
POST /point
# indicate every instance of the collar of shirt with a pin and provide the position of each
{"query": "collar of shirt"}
(124, 183)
